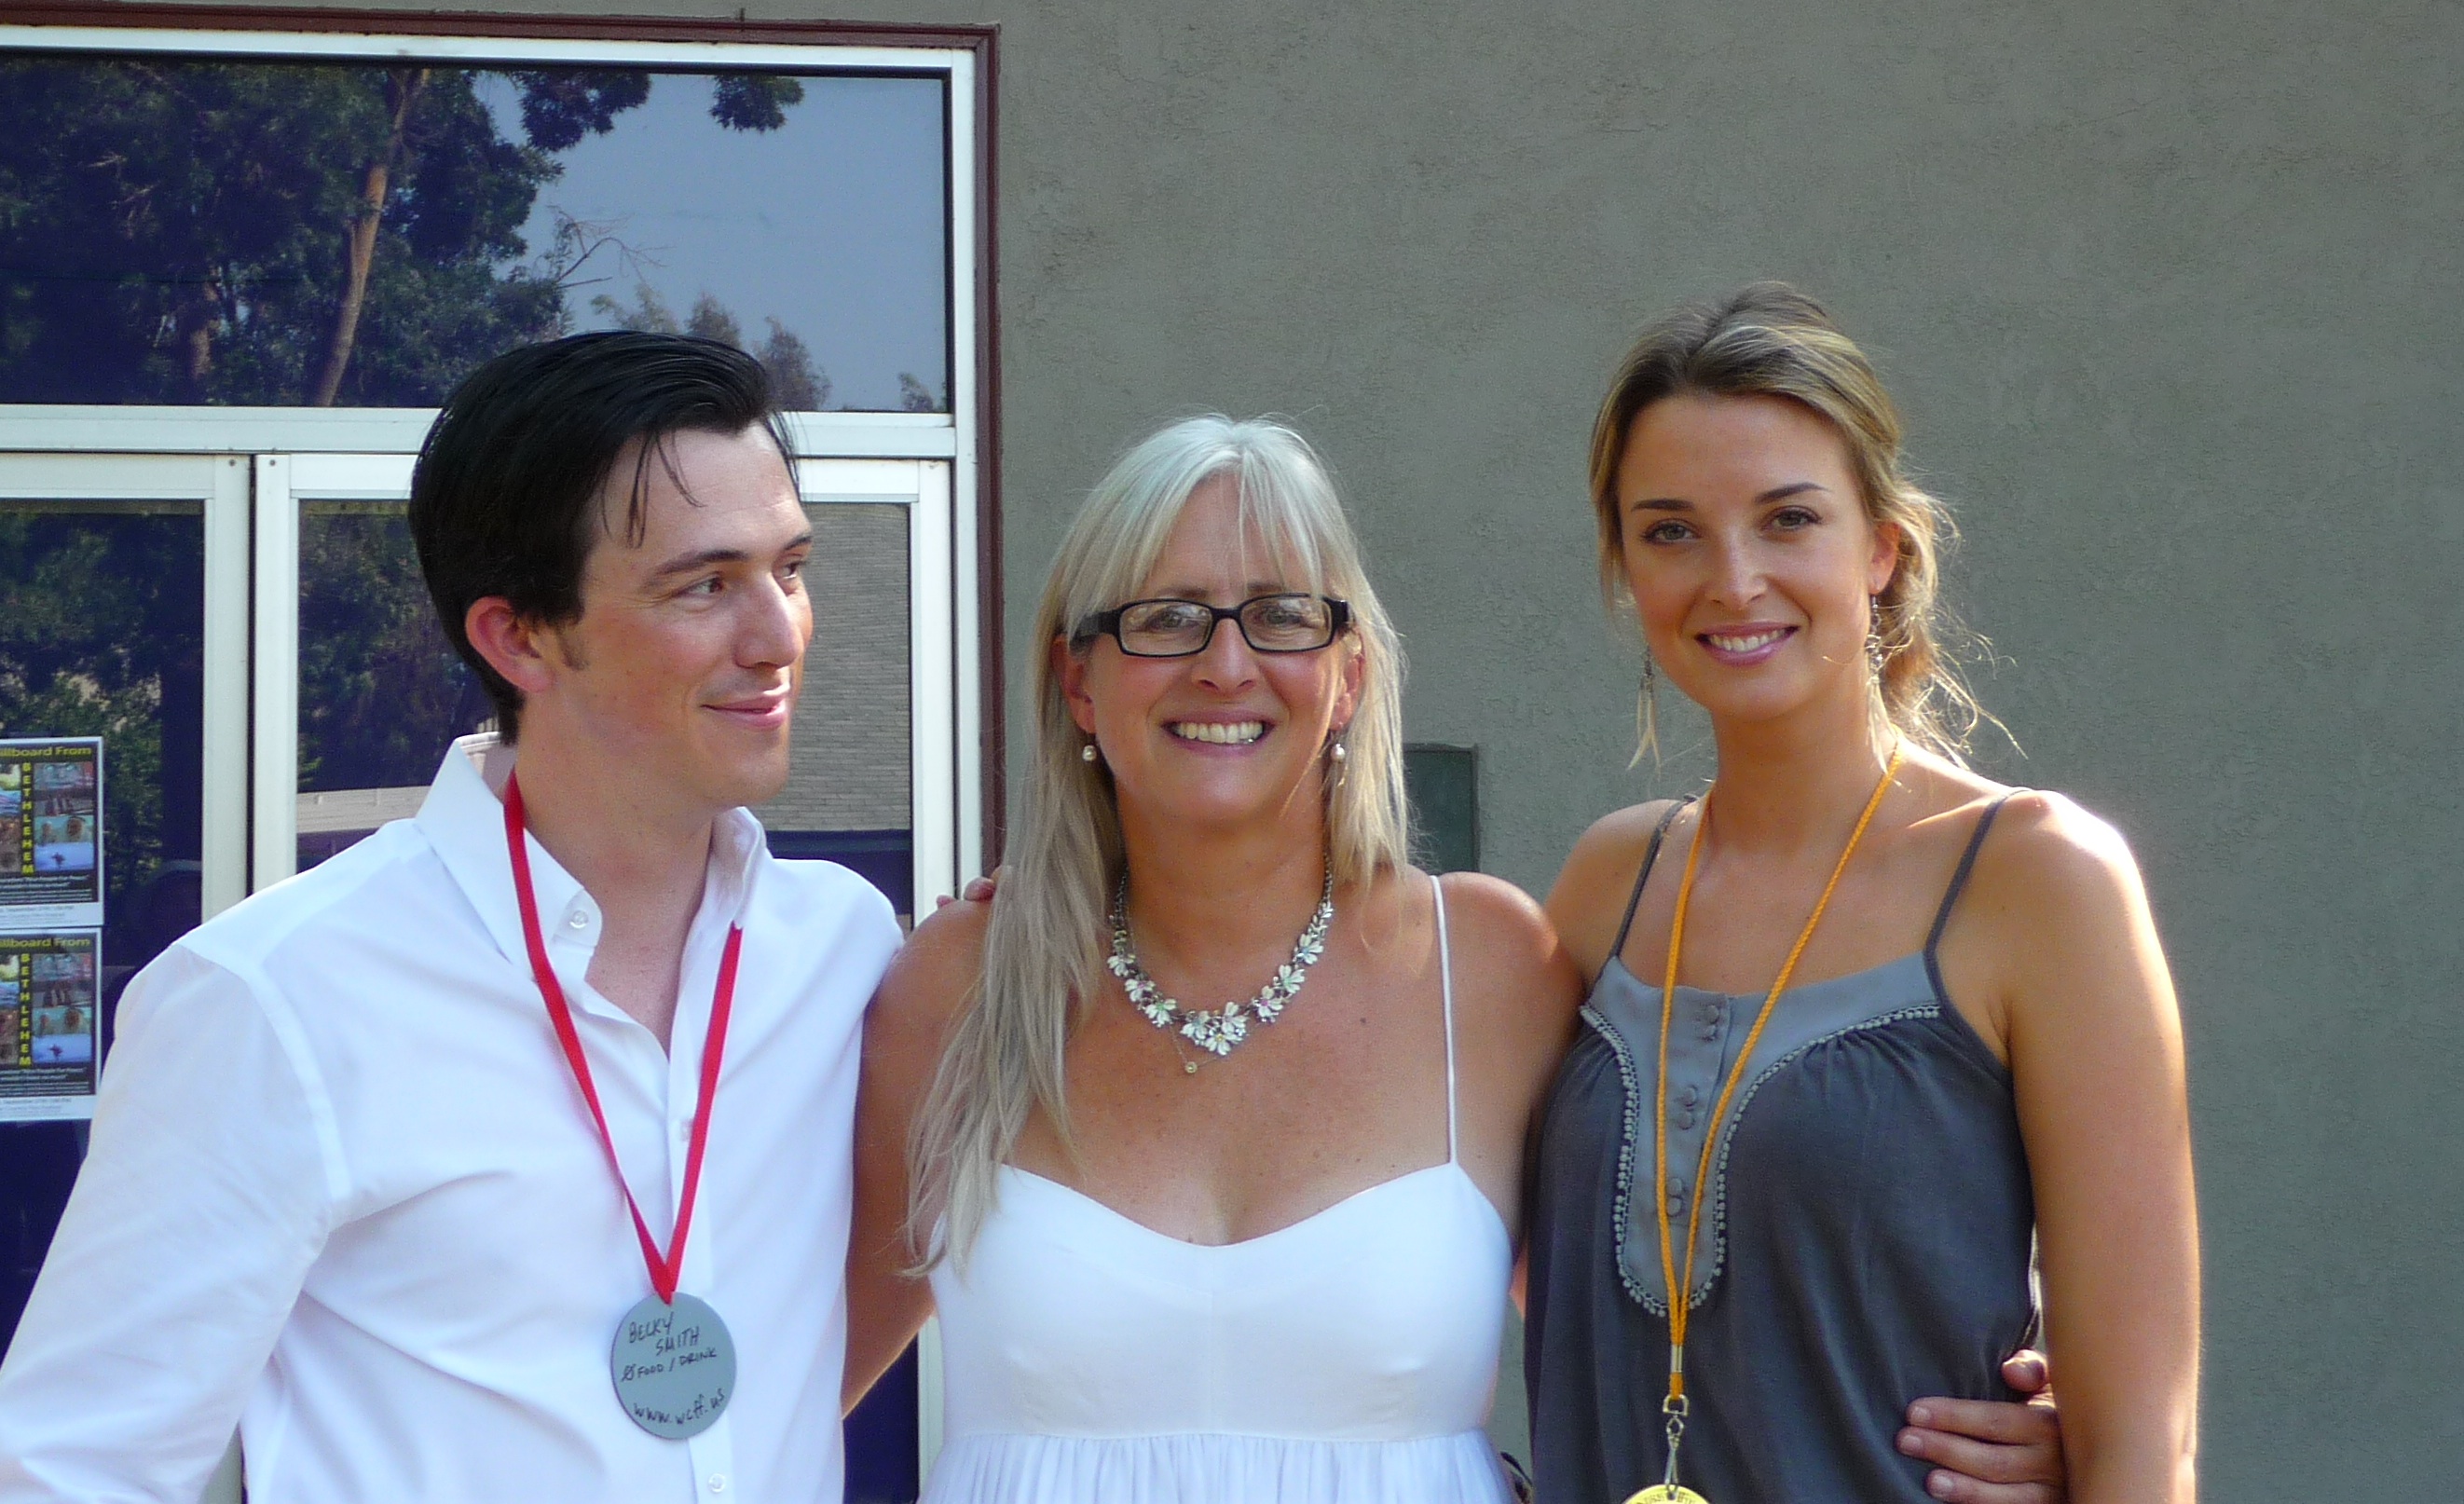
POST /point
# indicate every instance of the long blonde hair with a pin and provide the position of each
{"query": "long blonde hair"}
(1048, 930)
(1767, 338)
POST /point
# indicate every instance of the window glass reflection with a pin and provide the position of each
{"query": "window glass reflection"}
(103, 634)
(382, 694)
(212, 231)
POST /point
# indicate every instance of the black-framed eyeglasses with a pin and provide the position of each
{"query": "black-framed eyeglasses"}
(1289, 622)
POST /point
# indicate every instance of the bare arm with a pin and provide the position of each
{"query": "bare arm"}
(2095, 1056)
(903, 1032)
(1515, 996)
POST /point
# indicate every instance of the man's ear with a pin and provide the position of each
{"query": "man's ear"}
(517, 648)
(1071, 671)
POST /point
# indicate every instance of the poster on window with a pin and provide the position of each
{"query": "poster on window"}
(49, 1024)
(51, 833)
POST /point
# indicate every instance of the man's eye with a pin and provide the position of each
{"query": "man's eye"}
(709, 586)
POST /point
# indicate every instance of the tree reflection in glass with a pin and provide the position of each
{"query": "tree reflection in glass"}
(291, 233)
(382, 694)
(102, 633)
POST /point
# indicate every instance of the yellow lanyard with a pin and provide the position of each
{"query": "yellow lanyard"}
(1681, 1291)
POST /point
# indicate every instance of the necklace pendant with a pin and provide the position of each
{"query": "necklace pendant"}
(1667, 1494)
(1189, 1067)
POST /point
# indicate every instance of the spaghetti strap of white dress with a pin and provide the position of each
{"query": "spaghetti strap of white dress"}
(1347, 1359)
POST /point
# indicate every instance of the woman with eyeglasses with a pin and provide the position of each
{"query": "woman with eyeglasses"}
(1870, 1038)
(1209, 1127)
(1206, 1134)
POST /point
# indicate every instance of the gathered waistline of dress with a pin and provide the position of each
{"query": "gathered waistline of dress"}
(1190, 1467)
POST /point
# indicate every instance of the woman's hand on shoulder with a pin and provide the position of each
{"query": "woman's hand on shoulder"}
(1588, 901)
(931, 977)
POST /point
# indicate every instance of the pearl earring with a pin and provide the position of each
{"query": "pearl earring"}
(1087, 753)
(1337, 753)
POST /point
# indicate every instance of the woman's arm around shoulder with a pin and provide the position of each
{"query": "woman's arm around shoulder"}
(2096, 1066)
(928, 985)
(1588, 902)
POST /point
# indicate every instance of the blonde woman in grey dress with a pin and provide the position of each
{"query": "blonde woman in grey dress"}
(1979, 1052)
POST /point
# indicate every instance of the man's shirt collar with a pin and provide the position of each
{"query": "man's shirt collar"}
(464, 820)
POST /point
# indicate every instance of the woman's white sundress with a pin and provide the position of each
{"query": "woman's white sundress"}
(1347, 1359)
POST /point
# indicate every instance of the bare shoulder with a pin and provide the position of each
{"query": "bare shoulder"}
(1492, 917)
(930, 981)
(1618, 838)
(1508, 964)
(2065, 927)
(2051, 860)
(1590, 894)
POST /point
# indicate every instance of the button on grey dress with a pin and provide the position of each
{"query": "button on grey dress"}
(1868, 1240)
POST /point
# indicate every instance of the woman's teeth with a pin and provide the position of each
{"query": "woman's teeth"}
(1745, 644)
(1222, 732)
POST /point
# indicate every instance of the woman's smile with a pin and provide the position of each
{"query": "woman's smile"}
(1219, 733)
(1746, 645)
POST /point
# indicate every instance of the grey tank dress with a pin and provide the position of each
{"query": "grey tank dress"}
(1868, 1241)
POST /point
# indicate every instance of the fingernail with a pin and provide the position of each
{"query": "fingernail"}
(1938, 1485)
(1907, 1442)
(1919, 1415)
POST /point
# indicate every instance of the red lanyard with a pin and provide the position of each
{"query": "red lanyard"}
(664, 1268)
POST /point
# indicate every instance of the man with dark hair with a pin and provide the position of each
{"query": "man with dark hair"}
(507, 1154)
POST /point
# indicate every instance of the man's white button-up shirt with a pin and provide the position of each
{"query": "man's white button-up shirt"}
(344, 1191)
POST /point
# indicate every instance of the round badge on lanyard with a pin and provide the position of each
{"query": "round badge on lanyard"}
(672, 1362)
(675, 1365)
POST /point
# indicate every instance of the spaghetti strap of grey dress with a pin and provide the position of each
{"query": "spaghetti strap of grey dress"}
(1868, 1241)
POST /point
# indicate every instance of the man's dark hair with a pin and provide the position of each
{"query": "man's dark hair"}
(504, 498)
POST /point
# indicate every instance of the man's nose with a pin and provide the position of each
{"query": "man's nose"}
(778, 624)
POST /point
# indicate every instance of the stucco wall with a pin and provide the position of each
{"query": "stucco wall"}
(2169, 293)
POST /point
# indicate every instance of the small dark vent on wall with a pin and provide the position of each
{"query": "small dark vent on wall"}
(1444, 785)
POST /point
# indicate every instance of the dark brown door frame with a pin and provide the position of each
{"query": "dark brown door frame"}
(979, 41)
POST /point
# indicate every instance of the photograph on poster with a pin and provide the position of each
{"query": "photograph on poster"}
(49, 1024)
(51, 833)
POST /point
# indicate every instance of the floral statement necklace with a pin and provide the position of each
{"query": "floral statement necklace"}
(1217, 1031)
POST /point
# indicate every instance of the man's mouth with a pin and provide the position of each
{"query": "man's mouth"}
(757, 710)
